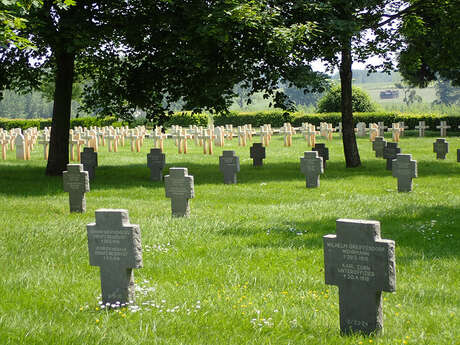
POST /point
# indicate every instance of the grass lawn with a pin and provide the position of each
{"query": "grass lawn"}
(246, 267)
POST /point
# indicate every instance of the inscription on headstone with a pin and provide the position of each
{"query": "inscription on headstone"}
(404, 169)
(156, 161)
(229, 164)
(89, 160)
(180, 188)
(257, 153)
(76, 183)
(441, 148)
(362, 265)
(115, 246)
(311, 165)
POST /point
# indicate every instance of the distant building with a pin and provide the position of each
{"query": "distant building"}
(389, 94)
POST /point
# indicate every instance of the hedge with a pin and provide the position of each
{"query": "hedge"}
(42, 123)
(276, 118)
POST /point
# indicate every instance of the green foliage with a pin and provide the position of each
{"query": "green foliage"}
(410, 94)
(332, 101)
(276, 118)
(446, 93)
(186, 119)
(431, 31)
(42, 123)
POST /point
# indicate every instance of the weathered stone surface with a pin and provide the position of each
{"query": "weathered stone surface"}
(257, 153)
(404, 169)
(441, 148)
(19, 142)
(229, 164)
(323, 152)
(76, 183)
(180, 188)
(389, 153)
(156, 161)
(378, 145)
(89, 160)
(311, 165)
(362, 265)
(421, 128)
(115, 245)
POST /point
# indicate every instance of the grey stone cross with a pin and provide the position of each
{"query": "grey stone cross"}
(382, 128)
(378, 145)
(89, 160)
(362, 265)
(404, 169)
(389, 153)
(311, 165)
(441, 148)
(179, 187)
(257, 153)
(443, 127)
(76, 183)
(421, 128)
(229, 164)
(323, 152)
(156, 161)
(115, 246)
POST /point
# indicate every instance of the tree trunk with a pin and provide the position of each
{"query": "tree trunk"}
(350, 146)
(59, 138)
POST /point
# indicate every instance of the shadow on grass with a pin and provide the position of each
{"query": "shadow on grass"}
(24, 180)
(419, 237)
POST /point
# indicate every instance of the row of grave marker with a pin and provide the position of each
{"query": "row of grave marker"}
(356, 259)
(179, 185)
(205, 137)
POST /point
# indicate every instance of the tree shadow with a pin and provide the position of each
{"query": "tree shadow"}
(432, 235)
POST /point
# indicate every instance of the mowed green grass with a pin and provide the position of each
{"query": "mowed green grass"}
(246, 267)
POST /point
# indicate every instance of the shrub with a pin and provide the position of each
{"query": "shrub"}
(331, 102)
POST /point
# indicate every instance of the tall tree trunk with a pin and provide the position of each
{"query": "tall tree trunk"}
(350, 146)
(59, 139)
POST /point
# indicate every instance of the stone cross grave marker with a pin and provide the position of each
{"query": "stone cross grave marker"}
(362, 265)
(402, 128)
(441, 148)
(404, 169)
(180, 188)
(89, 160)
(257, 153)
(229, 164)
(323, 152)
(443, 127)
(389, 153)
(382, 128)
(421, 128)
(311, 165)
(156, 161)
(361, 129)
(19, 142)
(115, 246)
(76, 183)
(378, 145)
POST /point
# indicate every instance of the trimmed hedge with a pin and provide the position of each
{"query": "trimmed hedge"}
(186, 119)
(276, 118)
(42, 123)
